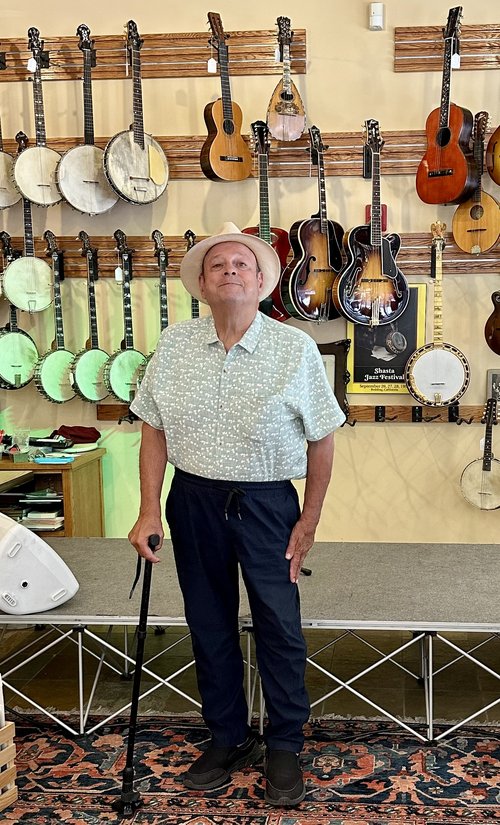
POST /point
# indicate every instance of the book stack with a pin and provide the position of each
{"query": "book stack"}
(43, 519)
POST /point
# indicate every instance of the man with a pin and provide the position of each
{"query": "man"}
(239, 404)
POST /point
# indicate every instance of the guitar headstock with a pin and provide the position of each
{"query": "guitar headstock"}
(22, 142)
(134, 40)
(190, 239)
(438, 229)
(219, 37)
(285, 33)
(452, 28)
(316, 145)
(261, 140)
(121, 241)
(490, 413)
(373, 137)
(52, 248)
(35, 44)
(83, 32)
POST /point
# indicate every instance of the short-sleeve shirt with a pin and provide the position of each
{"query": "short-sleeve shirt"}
(243, 415)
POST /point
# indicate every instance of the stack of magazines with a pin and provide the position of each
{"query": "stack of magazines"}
(43, 519)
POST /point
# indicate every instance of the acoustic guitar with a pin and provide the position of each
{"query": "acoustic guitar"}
(492, 326)
(80, 174)
(224, 155)
(480, 480)
(134, 162)
(476, 223)
(448, 173)
(18, 351)
(371, 289)
(161, 254)
(493, 156)
(286, 117)
(307, 282)
(9, 195)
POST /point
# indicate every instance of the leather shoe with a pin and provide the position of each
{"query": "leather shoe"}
(214, 767)
(284, 780)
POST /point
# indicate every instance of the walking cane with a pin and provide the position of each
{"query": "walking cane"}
(130, 800)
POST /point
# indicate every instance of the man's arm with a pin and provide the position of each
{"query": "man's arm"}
(319, 470)
(152, 463)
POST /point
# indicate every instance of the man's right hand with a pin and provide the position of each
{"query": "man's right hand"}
(145, 527)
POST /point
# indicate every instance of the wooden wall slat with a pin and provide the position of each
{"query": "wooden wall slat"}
(421, 48)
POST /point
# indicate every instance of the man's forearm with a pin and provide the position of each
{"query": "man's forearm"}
(152, 463)
(319, 470)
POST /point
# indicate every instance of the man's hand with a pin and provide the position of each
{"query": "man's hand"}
(301, 541)
(145, 527)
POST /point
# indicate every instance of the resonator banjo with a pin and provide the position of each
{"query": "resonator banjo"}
(18, 352)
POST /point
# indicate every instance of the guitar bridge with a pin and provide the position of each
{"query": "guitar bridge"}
(440, 173)
(232, 158)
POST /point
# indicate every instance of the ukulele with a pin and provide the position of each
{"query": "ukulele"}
(493, 156)
(224, 155)
(371, 289)
(9, 195)
(35, 169)
(80, 174)
(53, 371)
(476, 223)
(162, 257)
(307, 282)
(447, 173)
(277, 238)
(492, 326)
(190, 238)
(480, 481)
(437, 374)
(122, 369)
(286, 116)
(18, 352)
(87, 370)
(134, 162)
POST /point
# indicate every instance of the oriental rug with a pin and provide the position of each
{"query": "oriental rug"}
(357, 773)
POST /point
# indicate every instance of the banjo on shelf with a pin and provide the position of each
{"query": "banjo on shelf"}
(9, 195)
(480, 481)
(80, 174)
(52, 375)
(437, 374)
(35, 169)
(121, 372)
(87, 370)
(18, 352)
(162, 257)
(134, 162)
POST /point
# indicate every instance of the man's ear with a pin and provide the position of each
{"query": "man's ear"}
(260, 280)
(201, 282)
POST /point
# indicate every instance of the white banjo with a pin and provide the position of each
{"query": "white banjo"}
(162, 257)
(87, 370)
(52, 374)
(9, 195)
(134, 162)
(480, 481)
(18, 352)
(437, 374)
(35, 169)
(80, 174)
(121, 372)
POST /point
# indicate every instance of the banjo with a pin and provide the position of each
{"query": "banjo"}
(52, 375)
(80, 174)
(18, 352)
(121, 371)
(480, 481)
(162, 258)
(190, 242)
(437, 374)
(27, 281)
(9, 195)
(87, 370)
(134, 162)
(35, 169)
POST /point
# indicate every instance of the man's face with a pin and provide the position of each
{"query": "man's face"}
(230, 275)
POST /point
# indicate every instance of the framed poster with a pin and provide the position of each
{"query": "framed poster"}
(378, 354)
(493, 384)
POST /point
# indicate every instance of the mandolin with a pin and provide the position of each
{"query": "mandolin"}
(53, 371)
(448, 173)
(371, 289)
(476, 223)
(277, 238)
(286, 116)
(480, 481)
(437, 374)
(492, 326)
(162, 258)
(18, 352)
(224, 155)
(87, 369)
(9, 195)
(134, 162)
(307, 282)
(493, 156)
(35, 169)
(121, 371)
(80, 174)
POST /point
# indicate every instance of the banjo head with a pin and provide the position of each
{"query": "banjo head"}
(121, 374)
(437, 375)
(52, 376)
(482, 487)
(87, 375)
(82, 182)
(136, 175)
(35, 175)
(18, 358)
(27, 283)
(9, 195)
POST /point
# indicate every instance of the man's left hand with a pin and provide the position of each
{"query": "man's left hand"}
(301, 541)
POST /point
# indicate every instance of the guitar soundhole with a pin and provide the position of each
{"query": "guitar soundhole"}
(443, 137)
(229, 127)
(477, 212)
(287, 96)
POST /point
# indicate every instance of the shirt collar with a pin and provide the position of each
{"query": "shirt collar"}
(249, 340)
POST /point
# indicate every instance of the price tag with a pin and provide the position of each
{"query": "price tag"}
(455, 61)
(481, 445)
(211, 65)
(277, 55)
(118, 274)
(32, 65)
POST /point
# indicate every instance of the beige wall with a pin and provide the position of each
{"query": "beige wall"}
(393, 482)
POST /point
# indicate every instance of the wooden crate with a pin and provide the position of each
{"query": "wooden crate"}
(8, 789)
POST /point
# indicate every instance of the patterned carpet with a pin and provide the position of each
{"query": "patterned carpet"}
(357, 773)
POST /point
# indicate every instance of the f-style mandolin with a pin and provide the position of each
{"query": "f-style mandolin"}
(480, 481)
(286, 117)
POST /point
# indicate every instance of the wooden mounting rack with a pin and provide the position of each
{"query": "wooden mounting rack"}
(421, 48)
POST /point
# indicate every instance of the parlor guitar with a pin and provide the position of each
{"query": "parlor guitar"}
(224, 155)
(448, 173)
(286, 117)
(480, 480)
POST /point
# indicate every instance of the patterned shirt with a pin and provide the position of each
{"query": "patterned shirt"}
(244, 415)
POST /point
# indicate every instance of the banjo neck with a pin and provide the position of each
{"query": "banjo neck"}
(126, 258)
(134, 44)
(90, 253)
(190, 242)
(162, 256)
(36, 47)
(58, 270)
(490, 418)
(29, 244)
(88, 110)
(439, 244)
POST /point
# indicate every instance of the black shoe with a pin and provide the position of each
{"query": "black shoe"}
(284, 780)
(214, 767)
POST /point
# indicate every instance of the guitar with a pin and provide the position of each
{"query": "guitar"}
(190, 238)
(437, 374)
(492, 326)
(53, 371)
(162, 258)
(9, 195)
(27, 281)
(493, 156)
(447, 173)
(277, 238)
(35, 169)
(87, 370)
(18, 352)
(476, 223)
(307, 282)
(134, 162)
(286, 116)
(224, 155)
(371, 289)
(480, 481)
(121, 371)
(80, 174)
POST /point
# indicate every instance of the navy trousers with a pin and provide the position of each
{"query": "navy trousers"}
(216, 526)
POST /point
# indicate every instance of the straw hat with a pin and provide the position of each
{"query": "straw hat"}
(267, 259)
